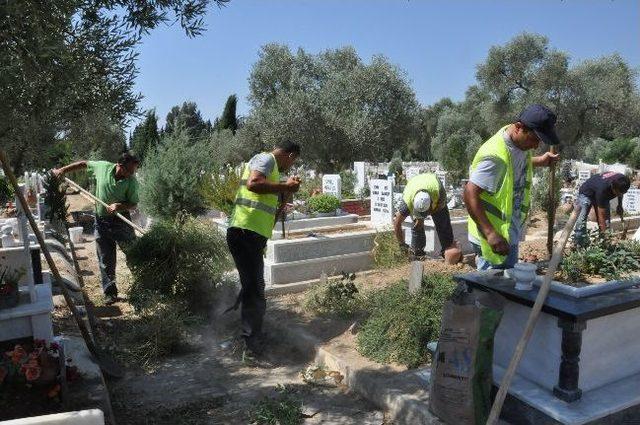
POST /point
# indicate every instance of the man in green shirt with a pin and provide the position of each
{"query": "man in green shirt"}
(116, 186)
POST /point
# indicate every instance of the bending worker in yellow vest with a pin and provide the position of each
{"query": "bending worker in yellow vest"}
(252, 221)
(498, 194)
(424, 195)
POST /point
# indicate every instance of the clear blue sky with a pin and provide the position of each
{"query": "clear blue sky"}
(437, 43)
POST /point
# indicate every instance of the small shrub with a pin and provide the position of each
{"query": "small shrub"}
(6, 191)
(602, 256)
(284, 409)
(307, 187)
(337, 297)
(172, 175)
(387, 252)
(219, 189)
(179, 261)
(323, 203)
(401, 324)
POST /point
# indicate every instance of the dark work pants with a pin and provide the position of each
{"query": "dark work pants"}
(109, 231)
(247, 249)
(442, 222)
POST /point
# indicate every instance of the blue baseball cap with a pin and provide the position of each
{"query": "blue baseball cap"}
(540, 119)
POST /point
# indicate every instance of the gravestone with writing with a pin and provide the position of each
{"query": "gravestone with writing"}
(332, 185)
(381, 202)
(442, 176)
(631, 200)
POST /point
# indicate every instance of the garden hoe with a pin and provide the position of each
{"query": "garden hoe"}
(106, 363)
(533, 318)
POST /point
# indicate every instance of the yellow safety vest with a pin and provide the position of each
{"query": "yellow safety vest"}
(254, 211)
(499, 205)
(427, 182)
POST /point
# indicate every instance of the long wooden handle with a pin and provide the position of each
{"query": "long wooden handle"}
(91, 197)
(551, 214)
(43, 246)
(533, 318)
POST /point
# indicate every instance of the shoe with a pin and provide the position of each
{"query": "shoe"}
(110, 299)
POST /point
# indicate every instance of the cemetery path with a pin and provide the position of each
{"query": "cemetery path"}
(209, 383)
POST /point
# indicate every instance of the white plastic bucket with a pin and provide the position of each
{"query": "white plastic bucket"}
(76, 234)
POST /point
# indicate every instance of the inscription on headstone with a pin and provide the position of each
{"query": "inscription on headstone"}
(381, 202)
(332, 185)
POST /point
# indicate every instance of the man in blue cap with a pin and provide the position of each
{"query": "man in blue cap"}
(498, 194)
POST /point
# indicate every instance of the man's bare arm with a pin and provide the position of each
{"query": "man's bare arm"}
(472, 201)
(79, 165)
(258, 183)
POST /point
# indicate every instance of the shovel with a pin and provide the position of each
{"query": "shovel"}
(106, 363)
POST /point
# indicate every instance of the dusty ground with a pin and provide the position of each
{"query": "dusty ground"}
(207, 382)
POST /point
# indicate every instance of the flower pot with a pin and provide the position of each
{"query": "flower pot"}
(524, 274)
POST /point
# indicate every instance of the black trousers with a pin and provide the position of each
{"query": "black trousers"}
(247, 249)
(442, 222)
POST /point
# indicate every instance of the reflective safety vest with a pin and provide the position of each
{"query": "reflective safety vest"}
(427, 182)
(499, 205)
(254, 211)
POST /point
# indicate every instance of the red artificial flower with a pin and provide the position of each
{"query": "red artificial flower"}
(17, 354)
(32, 373)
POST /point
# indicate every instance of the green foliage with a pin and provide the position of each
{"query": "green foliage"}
(145, 136)
(401, 324)
(284, 409)
(332, 103)
(172, 177)
(55, 199)
(387, 252)
(68, 59)
(540, 191)
(323, 203)
(6, 190)
(219, 189)
(348, 179)
(179, 261)
(187, 119)
(307, 187)
(228, 120)
(602, 256)
(338, 297)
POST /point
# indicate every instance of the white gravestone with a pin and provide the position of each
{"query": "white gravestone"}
(332, 185)
(411, 172)
(631, 200)
(381, 202)
(360, 170)
(442, 176)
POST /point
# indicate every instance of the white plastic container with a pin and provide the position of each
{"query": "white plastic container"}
(76, 234)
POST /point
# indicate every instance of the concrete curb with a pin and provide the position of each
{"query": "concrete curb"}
(399, 392)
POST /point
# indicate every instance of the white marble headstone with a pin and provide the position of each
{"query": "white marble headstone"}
(631, 200)
(381, 202)
(359, 168)
(411, 172)
(332, 185)
(442, 176)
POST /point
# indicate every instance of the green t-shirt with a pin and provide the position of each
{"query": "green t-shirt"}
(110, 190)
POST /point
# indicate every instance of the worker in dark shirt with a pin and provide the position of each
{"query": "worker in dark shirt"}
(597, 192)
